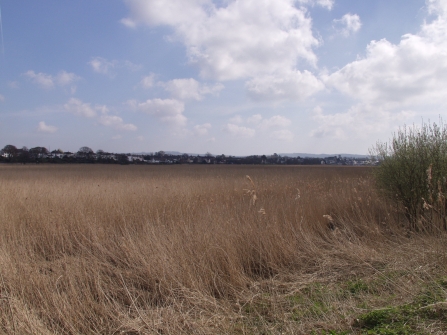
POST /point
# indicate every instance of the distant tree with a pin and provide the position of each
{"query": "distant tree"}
(85, 150)
(122, 159)
(160, 153)
(24, 155)
(100, 152)
(37, 152)
(11, 151)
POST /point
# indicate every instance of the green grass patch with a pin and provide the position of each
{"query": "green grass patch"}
(428, 307)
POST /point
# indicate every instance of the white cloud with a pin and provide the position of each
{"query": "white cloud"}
(412, 72)
(276, 121)
(131, 66)
(48, 81)
(213, 90)
(202, 129)
(64, 78)
(237, 119)
(107, 67)
(44, 128)
(148, 81)
(348, 24)
(390, 80)
(261, 123)
(292, 85)
(358, 122)
(129, 23)
(242, 39)
(13, 84)
(80, 108)
(239, 131)
(103, 66)
(185, 89)
(77, 107)
(437, 7)
(274, 126)
(116, 122)
(323, 3)
(255, 119)
(42, 79)
(282, 135)
(166, 110)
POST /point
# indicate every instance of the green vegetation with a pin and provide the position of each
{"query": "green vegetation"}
(412, 174)
(428, 308)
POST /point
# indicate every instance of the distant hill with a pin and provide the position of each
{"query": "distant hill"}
(323, 155)
(177, 153)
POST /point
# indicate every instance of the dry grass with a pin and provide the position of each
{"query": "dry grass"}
(202, 250)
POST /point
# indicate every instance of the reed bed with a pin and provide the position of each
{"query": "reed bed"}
(94, 249)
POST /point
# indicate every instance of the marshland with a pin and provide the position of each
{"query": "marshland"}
(94, 249)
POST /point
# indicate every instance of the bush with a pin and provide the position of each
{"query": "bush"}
(412, 172)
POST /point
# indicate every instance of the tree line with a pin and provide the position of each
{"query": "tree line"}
(12, 154)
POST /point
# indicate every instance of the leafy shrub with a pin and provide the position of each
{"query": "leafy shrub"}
(413, 173)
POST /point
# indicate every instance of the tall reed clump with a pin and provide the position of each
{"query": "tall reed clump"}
(412, 174)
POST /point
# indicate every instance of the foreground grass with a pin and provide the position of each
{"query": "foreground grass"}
(205, 250)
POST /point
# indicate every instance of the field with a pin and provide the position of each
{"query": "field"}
(94, 249)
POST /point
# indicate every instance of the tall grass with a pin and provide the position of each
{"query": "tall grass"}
(184, 249)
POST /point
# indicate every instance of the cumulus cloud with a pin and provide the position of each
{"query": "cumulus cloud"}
(116, 122)
(359, 121)
(412, 72)
(390, 81)
(348, 24)
(242, 39)
(257, 120)
(107, 67)
(328, 4)
(103, 66)
(186, 89)
(275, 126)
(437, 7)
(79, 108)
(13, 84)
(202, 129)
(44, 128)
(239, 131)
(148, 81)
(276, 121)
(292, 85)
(48, 81)
(237, 119)
(166, 110)
(282, 135)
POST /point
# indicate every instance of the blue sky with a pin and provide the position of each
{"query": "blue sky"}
(236, 77)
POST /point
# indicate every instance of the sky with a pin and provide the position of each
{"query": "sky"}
(233, 77)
